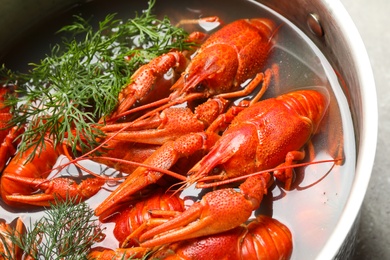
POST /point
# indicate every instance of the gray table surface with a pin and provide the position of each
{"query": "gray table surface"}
(372, 19)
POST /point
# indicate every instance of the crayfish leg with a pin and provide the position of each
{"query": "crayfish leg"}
(154, 222)
(286, 175)
(57, 188)
(209, 19)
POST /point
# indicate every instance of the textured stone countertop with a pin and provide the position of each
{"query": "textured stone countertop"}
(372, 19)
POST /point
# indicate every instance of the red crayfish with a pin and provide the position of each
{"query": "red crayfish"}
(200, 71)
(24, 176)
(229, 57)
(266, 134)
(262, 238)
(233, 142)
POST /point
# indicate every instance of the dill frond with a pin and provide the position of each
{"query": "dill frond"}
(66, 231)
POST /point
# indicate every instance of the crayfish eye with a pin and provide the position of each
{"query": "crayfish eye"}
(200, 87)
(216, 171)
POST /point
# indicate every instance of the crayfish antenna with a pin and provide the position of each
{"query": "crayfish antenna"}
(165, 157)
(320, 179)
(182, 186)
(165, 103)
(218, 211)
(203, 185)
(150, 167)
(160, 102)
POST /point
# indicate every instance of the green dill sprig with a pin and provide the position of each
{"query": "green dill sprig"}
(66, 93)
(66, 231)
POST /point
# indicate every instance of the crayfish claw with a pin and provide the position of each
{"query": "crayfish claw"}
(58, 188)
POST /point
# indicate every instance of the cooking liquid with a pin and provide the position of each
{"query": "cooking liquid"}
(312, 208)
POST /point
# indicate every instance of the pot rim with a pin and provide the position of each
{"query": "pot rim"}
(368, 132)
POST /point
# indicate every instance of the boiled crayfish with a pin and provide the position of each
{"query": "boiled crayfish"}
(232, 63)
(262, 238)
(26, 172)
(294, 116)
(150, 211)
(233, 142)
(24, 176)
(267, 134)
(229, 57)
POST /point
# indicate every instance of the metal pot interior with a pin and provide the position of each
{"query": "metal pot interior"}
(329, 27)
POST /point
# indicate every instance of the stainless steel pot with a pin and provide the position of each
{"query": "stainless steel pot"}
(329, 26)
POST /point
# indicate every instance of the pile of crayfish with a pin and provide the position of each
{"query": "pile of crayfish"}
(197, 135)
